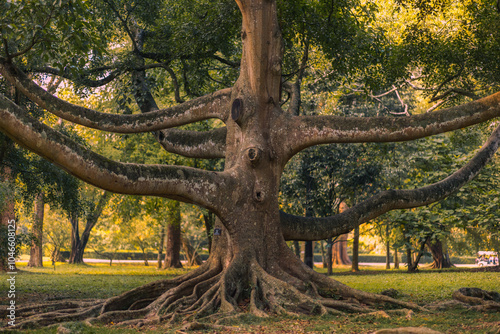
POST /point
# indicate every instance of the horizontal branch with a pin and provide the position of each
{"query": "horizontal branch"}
(215, 105)
(306, 131)
(302, 228)
(194, 144)
(176, 182)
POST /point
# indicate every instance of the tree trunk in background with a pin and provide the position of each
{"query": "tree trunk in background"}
(323, 254)
(409, 261)
(387, 248)
(355, 250)
(160, 248)
(296, 247)
(56, 255)
(339, 247)
(414, 265)
(396, 259)
(78, 244)
(329, 263)
(192, 256)
(441, 259)
(36, 252)
(76, 255)
(309, 254)
(339, 251)
(173, 239)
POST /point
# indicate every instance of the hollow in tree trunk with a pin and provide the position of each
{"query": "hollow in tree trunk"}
(36, 251)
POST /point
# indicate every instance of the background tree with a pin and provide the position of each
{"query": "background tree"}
(257, 132)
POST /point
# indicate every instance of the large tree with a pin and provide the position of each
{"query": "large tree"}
(250, 266)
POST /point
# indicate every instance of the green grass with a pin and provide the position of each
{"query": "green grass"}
(102, 281)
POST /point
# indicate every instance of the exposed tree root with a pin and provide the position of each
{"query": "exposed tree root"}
(478, 299)
(217, 295)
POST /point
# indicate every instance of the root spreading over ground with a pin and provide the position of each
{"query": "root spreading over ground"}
(212, 292)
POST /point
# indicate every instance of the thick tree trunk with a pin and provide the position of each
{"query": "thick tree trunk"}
(36, 251)
(440, 258)
(173, 239)
(355, 250)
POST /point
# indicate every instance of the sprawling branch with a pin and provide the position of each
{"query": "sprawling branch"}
(195, 144)
(307, 131)
(176, 182)
(213, 105)
(302, 228)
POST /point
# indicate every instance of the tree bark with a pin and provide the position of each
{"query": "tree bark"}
(173, 238)
(355, 250)
(36, 251)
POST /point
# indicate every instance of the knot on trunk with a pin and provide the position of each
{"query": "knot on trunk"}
(254, 154)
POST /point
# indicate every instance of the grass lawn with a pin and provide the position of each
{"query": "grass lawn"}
(102, 281)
